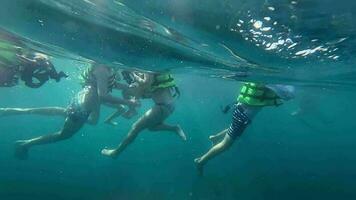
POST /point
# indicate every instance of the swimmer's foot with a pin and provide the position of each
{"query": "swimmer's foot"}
(111, 122)
(199, 166)
(3, 111)
(21, 149)
(181, 133)
(214, 139)
(296, 112)
(109, 152)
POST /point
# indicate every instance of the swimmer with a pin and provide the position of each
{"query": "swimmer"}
(21, 64)
(162, 90)
(252, 98)
(83, 109)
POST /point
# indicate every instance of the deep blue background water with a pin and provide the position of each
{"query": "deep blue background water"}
(280, 156)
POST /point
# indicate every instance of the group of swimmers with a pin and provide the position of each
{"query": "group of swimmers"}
(99, 80)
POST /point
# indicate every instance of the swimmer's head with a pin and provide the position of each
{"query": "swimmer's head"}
(42, 61)
(40, 57)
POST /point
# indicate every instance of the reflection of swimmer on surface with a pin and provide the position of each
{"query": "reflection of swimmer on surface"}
(252, 98)
(17, 63)
(84, 108)
(162, 90)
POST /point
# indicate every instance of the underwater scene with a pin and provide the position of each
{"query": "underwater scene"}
(177, 99)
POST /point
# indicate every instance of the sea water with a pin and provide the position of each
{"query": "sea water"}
(309, 44)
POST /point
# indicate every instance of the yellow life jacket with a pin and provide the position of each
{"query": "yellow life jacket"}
(254, 94)
(8, 54)
(162, 81)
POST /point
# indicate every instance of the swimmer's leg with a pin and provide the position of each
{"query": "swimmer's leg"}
(152, 116)
(70, 127)
(130, 113)
(171, 128)
(47, 111)
(218, 137)
(131, 136)
(213, 152)
(110, 119)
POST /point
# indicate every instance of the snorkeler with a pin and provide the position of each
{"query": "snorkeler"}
(34, 69)
(162, 89)
(83, 109)
(252, 98)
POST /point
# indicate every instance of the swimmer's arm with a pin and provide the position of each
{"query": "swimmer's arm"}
(108, 98)
(138, 78)
(146, 79)
(26, 61)
(93, 119)
(102, 77)
(94, 115)
(121, 86)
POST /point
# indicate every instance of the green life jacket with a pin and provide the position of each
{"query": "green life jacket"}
(254, 94)
(8, 54)
(162, 81)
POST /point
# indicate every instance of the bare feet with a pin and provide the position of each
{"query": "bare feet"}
(111, 122)
(199, 166)
(21, 149)
(109, 152)
(181, 133)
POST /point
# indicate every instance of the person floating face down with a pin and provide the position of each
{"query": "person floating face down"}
(37, 71)
(251, 99)
(34, 69)
(161, 88)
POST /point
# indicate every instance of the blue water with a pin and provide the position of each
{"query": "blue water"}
(280, 156)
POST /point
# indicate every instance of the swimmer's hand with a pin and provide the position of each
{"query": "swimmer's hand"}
(134, 102)
(133, 85)
(110, 122)
(225, 109)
